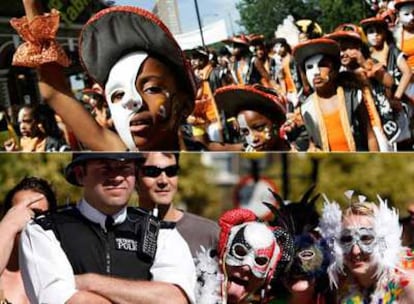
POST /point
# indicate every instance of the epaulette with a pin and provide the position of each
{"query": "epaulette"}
(137, 210)
(46, 221)
(65, 208)
(141, 211)
(167, 225)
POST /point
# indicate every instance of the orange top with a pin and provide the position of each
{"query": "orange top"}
(240, 71)
(407, 46)
(33, 144)
(205, 106)
(336, 135)
(290, 85)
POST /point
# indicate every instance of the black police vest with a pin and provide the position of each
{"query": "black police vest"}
(92, 250)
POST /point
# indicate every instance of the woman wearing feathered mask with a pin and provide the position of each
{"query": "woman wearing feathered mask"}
(366, 243)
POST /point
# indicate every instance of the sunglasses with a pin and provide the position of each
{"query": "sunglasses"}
(154, 171)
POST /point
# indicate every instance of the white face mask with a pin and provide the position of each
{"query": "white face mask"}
(277, 48)
(243, 125)
(252, 244)
(405, 14)
(312, 68)
(122, 79)
(372, 38)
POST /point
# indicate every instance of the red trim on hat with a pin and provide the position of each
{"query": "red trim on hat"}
(240, 39)
(151, 17)
(347, 30)
(315, 41)
(248, 88)
(344, 34)
(399, 3)
(373, 20)
(91, 91)
(134, 10)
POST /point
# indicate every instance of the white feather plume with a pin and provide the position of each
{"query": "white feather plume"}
(208, 278)
(330, 229)
(330, 221)
(388, 233)
(362, 198)
(348, 194)
(289, 31)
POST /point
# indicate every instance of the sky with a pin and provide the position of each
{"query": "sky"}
(210, 11)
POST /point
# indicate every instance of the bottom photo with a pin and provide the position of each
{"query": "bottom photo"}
(206, 228)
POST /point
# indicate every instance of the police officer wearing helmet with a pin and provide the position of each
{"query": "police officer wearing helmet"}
(101, 250)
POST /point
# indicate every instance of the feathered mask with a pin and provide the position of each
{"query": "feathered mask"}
(310, 258)
(382, 241)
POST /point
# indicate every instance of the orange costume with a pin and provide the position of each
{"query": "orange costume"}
(336, 136)
(407, 46)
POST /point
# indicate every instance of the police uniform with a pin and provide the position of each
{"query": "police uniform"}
(76, 241)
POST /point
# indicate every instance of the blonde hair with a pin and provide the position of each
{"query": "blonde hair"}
(360, 208)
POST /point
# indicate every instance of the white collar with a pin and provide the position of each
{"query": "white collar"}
(96, 216)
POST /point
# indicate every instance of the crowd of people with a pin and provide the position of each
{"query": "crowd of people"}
(101, 250)
(346, 90)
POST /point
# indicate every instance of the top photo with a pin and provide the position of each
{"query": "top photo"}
(211, 75)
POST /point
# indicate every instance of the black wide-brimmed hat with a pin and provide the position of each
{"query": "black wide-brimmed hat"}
(236, 98)
(238, 40)
(79, 158)
(399, 3)
(316, 46)
(348, 31)
(199, 52)
(256, 39)
(375, 21)
(117, 31)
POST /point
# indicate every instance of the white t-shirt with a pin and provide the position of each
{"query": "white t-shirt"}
(48, 276)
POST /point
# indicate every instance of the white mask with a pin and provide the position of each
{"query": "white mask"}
(250, 243)
(277, 48)
(312, 68)
(243, 125)
(122, 78)
(372, 38)
(405, 14)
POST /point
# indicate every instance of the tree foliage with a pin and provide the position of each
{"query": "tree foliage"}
(194, 190)
(368, 174)
(335, 12)
(263, 16)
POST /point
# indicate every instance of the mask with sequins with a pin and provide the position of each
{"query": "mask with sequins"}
(363, 237)
(253, 244)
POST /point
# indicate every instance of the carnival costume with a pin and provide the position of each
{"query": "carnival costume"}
(112, 59)
(233, 99)
(312, 255)
(356, 104)
(40, 44)
(243, 241)
(382, 242)
(351, 101)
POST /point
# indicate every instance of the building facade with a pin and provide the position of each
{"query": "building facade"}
(167, 11)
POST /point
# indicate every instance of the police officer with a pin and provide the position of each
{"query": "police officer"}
(101, 250)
